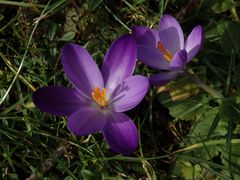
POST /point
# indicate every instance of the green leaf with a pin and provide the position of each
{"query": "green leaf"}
(229, 110)
(213, 126)
(227, 33)
(52, 31)
(223, 6)
(68, 36)
(87, 174)
(232, 161)
(137, 2)
(187, 170)
(189, 109)
(200, 130)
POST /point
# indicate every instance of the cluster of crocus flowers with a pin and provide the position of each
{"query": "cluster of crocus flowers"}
(165, 49)
(98, 98)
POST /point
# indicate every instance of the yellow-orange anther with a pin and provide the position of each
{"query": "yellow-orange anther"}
(100, 96)
(166, 53)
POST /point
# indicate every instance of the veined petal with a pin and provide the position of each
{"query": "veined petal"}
(145, 36)
(119, 62)
(194, 42)
(163, 78)
(171, 34)
(86, 120)
(57, 100)
(129, 93)
(121, 133)
(152, 57)
(179, 60)
(81, 69)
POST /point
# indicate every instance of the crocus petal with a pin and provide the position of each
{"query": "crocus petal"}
(86, 120)
(145, 36)
(163, 78)
(152, 57)
(179, 60)
(121, 133)
(129, 93)
(194, 42)
(119, 62)
(81, 69)
(171, 34)
(57, 100)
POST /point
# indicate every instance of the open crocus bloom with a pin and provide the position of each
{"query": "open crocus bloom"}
(98, 98)
(165, 49)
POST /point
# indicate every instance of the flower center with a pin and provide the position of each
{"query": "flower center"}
(100, 96)
(166, 53)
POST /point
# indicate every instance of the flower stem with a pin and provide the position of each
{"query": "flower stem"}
(207, 143)
(208, 89)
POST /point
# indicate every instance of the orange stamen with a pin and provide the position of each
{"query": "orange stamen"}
(100, 96)
(166, 53)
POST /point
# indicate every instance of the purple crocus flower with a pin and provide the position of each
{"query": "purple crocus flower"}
(165, 49)
(98, 98)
